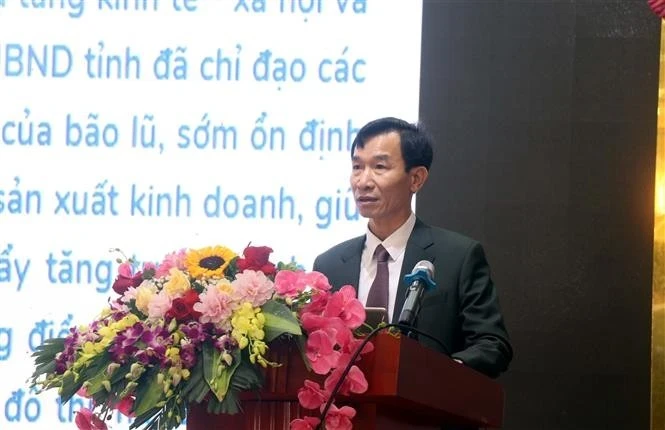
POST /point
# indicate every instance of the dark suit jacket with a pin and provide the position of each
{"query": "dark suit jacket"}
(462, 311)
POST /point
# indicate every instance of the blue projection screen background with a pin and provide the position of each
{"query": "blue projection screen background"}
(155, 125)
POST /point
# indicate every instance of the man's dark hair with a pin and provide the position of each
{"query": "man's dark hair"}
(416, 145)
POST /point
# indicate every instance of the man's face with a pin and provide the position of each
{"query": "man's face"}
(381, 186)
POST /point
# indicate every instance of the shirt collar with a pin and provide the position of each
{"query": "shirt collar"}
(395, 244)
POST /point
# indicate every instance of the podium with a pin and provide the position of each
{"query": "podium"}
(411, 387)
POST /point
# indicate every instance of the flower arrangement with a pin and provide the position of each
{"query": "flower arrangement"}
(658, 7)
(197, 327)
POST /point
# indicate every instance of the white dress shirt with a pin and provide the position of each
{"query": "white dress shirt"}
(395, 244)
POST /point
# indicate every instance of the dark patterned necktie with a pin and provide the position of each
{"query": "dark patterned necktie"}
(378, 292)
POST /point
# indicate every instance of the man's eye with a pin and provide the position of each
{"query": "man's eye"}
(380, 166)
(356, 167)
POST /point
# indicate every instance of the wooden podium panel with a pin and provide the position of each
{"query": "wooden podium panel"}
(411, 387)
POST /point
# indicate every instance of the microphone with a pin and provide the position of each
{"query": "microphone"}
(420, 280)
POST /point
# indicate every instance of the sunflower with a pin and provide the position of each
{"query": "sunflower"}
(209, 262)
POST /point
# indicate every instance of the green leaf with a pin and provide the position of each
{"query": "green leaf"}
(97, 364)
(247, 377)
(95, 383)
(279, 320)
(196, 386)
(44, 368)
(148, 273)
(119, 373)
(232, 269)
(69, 386)
(292, 266)
(133, 309)
(144, 418)
(202, 392)
(95, 373)
(230, 405)
(215, 406)
(149, 393)
(217, 374)
(46, 352)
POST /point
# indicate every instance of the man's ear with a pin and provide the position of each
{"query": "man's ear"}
(418, 176)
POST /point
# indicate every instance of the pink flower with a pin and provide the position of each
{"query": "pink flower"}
(125, 406)
(118, 305)
(159, 304)
(306, 423)
(287, 283)
(658, 6)
(290, 284)
(172, 260)
(355, 381)
(340, 332)
(126, 270)
(318, 303)
(215, 306)
(343, 304)
(314, 280)
(340, 419)
(311, 396)
(320, 351)
(350, 348)
(149, 266)
(328, 320)
(86, 420)
(126, 278)
(252, 286)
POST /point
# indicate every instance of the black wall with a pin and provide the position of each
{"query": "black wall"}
(544, 113)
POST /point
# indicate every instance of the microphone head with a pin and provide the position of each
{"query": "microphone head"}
(423, 271)
(424, 265)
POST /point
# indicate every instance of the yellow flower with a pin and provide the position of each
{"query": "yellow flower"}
(102, 344)
(177, 374)
(107, 332)
(224, 285)
(128, 320)
(177, 284)
(173, 354)
(245, 310)
(135, 371)
(114, 327)
(247, 323)
(257, 333)
(88, 348)
(242, 340)
(144, 294)
(209, 262)
(88, 351)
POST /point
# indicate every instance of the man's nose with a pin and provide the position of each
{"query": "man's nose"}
(365, 179)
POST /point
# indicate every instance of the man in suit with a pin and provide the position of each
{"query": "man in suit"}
(390, 163)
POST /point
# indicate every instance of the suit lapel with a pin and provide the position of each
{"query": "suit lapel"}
(417, 249)
(350, 271)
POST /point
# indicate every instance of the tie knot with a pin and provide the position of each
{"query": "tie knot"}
(381, 254)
